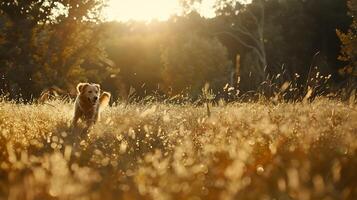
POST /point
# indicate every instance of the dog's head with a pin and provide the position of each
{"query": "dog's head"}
(89, 92)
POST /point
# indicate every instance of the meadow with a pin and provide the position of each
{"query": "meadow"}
(259, 150)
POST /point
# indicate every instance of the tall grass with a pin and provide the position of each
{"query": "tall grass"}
(161, 151)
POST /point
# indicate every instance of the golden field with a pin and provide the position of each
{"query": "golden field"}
(162, 151)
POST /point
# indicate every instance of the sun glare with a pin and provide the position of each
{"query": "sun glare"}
(146, 10)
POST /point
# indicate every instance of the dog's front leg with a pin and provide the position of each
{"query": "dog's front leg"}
(91, 121)
(94, 117)
(77, 115)
(75, 121)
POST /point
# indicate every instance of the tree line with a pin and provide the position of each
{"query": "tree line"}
(259, 46)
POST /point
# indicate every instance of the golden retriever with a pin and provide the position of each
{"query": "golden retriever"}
(89, 103)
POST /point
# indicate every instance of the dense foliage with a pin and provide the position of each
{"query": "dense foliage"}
(349, 47)
(58, 43)
(46, 43)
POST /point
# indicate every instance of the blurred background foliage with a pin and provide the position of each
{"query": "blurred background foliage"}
(250, 47)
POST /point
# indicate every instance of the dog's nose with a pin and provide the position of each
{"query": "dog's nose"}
(95, 98)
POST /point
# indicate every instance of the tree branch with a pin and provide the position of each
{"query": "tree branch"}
(245, 32)
(255, 49)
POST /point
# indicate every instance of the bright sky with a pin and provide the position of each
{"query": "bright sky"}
(146, 10)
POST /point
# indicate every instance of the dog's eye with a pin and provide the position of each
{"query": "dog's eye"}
(90, 92)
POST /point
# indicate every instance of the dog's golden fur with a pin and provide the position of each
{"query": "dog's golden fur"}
(89, 103)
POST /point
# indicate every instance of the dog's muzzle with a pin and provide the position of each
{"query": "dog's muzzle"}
(93, 100)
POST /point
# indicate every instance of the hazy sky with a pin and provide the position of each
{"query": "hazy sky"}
(124, 10)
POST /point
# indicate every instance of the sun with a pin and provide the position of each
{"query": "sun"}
(141, 10)
(147, 10)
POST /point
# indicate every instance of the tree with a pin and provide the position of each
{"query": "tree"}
(246, 27)
(292, 33)
(48, 42)
(349, 44)
(19, 19)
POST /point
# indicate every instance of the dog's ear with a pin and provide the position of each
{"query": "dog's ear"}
(81, 86)
(98, 86)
